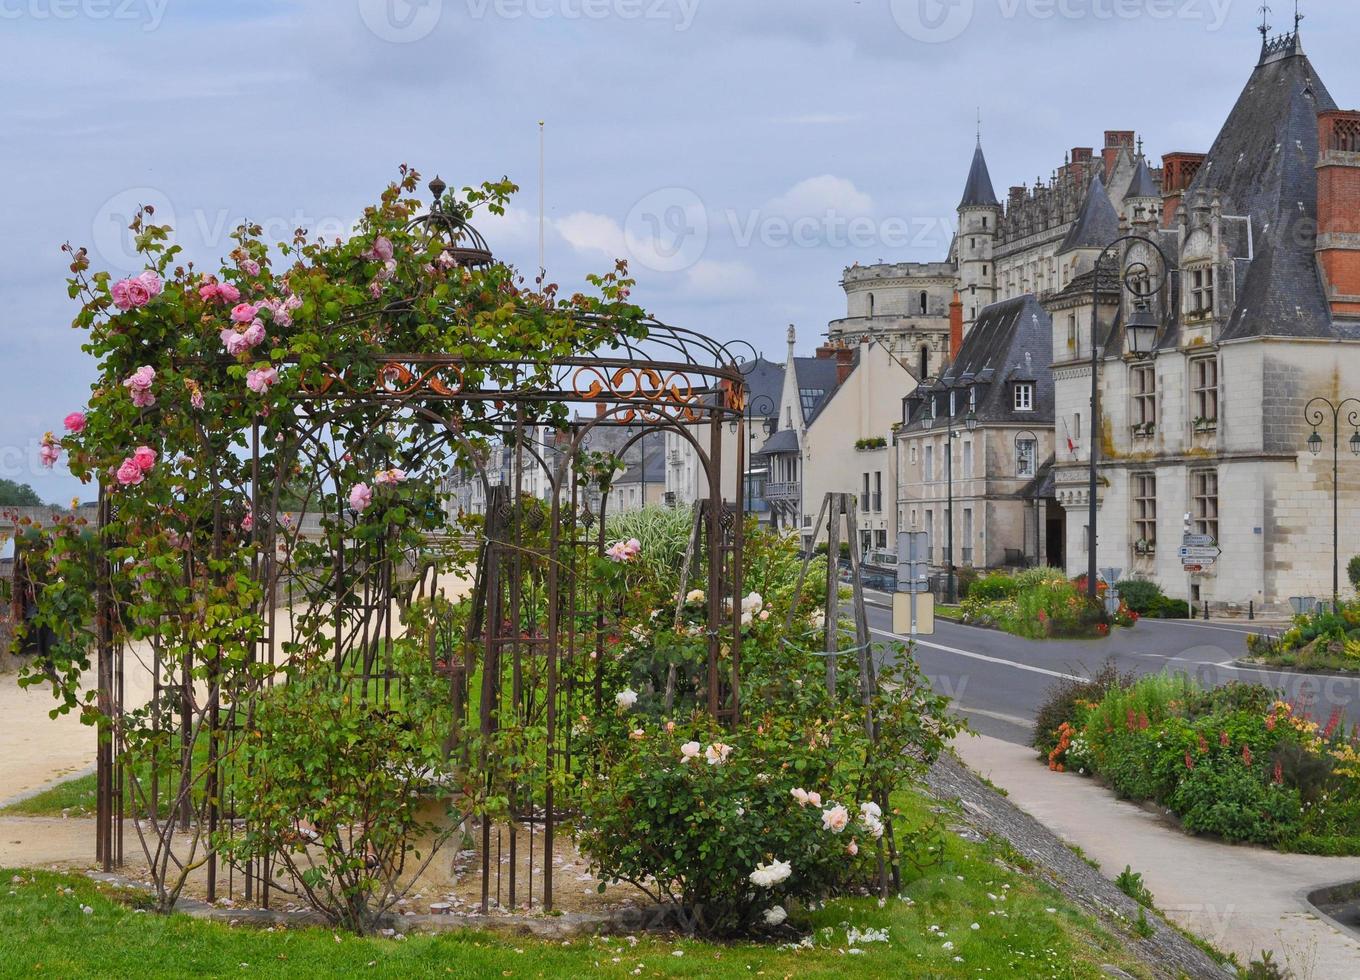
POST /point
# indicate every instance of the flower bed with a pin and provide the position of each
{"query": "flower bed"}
(1316, 641)
(1236, 762)
(1040, 603)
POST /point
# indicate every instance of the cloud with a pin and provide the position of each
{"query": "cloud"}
(712, 279)
(823, 195)
(587, 232)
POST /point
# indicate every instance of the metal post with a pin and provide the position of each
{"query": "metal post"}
(949, 534)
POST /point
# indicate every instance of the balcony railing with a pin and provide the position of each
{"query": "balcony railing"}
(783, 491)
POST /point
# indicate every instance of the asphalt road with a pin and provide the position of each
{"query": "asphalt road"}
(998, 681)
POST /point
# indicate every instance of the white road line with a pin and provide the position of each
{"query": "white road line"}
(997, 715)
(1244, 631)
(983, 657)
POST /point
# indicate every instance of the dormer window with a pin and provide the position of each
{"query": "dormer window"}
(972, 399)
(953, 407)
(1201, 291)
(1024, 396)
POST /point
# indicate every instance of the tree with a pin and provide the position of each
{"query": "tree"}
(18, 495)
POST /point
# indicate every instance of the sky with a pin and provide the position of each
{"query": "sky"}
(740, 153)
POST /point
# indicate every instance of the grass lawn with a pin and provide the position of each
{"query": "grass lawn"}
(971, 915)
(76, 797)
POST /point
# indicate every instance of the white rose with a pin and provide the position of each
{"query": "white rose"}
(626, 698)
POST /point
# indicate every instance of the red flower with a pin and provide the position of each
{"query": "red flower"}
(1279, 774)
(1203, 745)
(1223, 739)
(1246, 754)
(1143, 721)
(1189, 761)
(1130, 720)
(1270, 723)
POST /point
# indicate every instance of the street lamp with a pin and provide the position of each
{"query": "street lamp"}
(763, 407)
(1315, 414)
(970, 422)
(1141, 330)
(1025, 435)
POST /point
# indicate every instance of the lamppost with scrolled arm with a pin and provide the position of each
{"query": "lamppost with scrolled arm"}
(1141, 330)
(1315, 414)
(763, 407)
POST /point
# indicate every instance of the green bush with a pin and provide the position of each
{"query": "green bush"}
(993, 587)
(1233, 802)
(1169, 608)
(1141, 595)
(1069, 701)
(1353, 571)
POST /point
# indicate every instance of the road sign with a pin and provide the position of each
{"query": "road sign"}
(1198, 541)
(913, 571)
(1195, 568)
(1200, 554)
(913, 613)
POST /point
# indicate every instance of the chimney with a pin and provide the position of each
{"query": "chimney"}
(1178, 171)
(955, 326)
(1338, 209)
(1115, 140)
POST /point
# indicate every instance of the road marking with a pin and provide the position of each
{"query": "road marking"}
(1009, 719)
(1245, 631)
(981, 656)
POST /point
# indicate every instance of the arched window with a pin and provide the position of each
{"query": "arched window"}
(925, 362)
(923, 299)
(871, 304)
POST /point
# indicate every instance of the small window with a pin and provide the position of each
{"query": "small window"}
(1145, 512)
(878, 492)
(864, 500)
(984, 221)
(1204, 391)
(925, 363)
(1201, 291)
(972, 399)
(928, 467)
(1024, 396)
(953, 404)
(1204, 490)
(923, 302)
(1144, 399)
(871, 304)
(984, 270)
(1026, 458)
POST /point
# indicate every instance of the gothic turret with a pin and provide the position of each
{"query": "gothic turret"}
(1143, 199)
(979, 219)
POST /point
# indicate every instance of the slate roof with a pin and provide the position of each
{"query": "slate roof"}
(655, 461)
(1097, 223)
(978, 191)
(1011, 341)
(764, 381)
(1142, 184)
(816, 373)
(1262, 165)
(783, 441)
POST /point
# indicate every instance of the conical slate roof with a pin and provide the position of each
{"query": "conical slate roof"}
(1098, 223)
(978, 192)
(1142, 184)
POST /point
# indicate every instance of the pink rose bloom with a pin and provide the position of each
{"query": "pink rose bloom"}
(261, 381)
(196, 398)
(836, 819)
(75, 422)
(234, 342)
(248, 522)
(254, 334)
(208, 291)
(130, 474)
(292, 303)
(228, 293)
(139, 385)
(690, 751)
(143, 399)
(244, 312)
(360, 497)
(151, 282)
(250, 267)
(381, 250)
(852, 848)
(375, 289)
(50, 451)
(144, 457)
(815, 799)
(389, 478)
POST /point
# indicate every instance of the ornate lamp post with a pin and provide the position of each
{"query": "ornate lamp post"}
(1315, 413)
(1141, 330)
(762, 406)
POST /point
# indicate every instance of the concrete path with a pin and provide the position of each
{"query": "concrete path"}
(37, 751)
(1241, 899)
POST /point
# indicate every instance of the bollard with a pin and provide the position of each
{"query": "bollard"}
(1251, 609)
(1206, 610)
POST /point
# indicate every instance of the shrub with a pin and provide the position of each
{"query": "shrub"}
(1130, 882)
(1140, 595)
(993, 587)
(1353, 571)
(1234, 803)
(1169, 608)
(1069, 701)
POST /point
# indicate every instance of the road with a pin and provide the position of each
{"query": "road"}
(998, 681)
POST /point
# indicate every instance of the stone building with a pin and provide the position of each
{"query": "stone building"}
(978, 439)
(1261, 313)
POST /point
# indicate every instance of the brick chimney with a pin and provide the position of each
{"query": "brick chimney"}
(955, 326)
(1178, 171)
(843, 356)
(1338, 209)
(1115, 140)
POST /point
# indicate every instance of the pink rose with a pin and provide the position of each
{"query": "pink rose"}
(292, 303)
(139, 385)
(260, 381)
(389, 478)
(375, 289)
(151, 282)
(835, 819)
(144, 457)
(234, 342)
(228, 293)
(209, 291)
(248, 522)
(143, 399)
(381, 250)
(49, 451)
(254, 334)
(250, 267)
(196, 398)
(244, 312)
(360, 498)
(75, 422)
(130, 474)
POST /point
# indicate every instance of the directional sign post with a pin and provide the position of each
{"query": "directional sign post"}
(1198, 552)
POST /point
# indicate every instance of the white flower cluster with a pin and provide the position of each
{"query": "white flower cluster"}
(626, 698)
(769, 875)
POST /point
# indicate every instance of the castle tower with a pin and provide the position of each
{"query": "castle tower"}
(1143, 199)
(979, 218)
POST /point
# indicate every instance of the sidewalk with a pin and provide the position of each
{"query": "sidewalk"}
(1241, 899)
